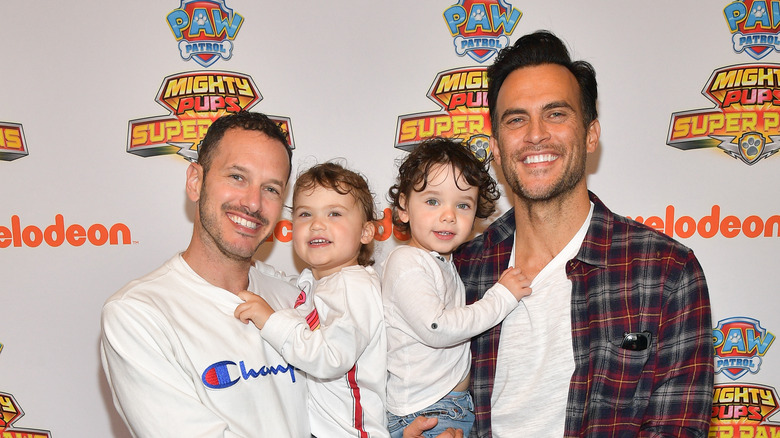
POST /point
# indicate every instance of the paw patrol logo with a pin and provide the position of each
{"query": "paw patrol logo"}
(747, 118)
(739, 345)
(10, 412)
(462, 95)
(195, 100)
(755, 26)
(12, 143)
(743, 410)
(205, 30)
(480, 27)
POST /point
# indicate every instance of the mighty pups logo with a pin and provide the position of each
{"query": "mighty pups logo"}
(480, 27)
(740, 343)
(205, 30)
(746, 122)
(462, 95)
(754, 25)
(195, 100)
(743, 410)
(12, 143)
(10, 412)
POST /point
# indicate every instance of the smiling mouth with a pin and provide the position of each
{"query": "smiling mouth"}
(445, 233)
(238, 220)
(542, 158)
(319, 242)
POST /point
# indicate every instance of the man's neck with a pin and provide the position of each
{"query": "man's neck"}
(219, 270)
(544, 228)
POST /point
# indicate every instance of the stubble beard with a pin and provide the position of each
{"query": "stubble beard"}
(565, 184)
(210, 225)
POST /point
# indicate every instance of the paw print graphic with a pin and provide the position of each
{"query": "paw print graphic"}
(479, 145)
(759, 12)
(478, 15)
(201, 19)
(751, 146)
(735, 338)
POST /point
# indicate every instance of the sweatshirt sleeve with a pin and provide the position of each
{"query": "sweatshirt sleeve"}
(350, 316)
(151, 392)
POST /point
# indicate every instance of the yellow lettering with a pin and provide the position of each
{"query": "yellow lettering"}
(724, 80)
(771, 121)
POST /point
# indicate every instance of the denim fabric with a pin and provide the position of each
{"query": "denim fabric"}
(455, 410)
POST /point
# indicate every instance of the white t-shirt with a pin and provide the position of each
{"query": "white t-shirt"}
(535, 355)
(429, 326)
(344, 354)
(180, 364)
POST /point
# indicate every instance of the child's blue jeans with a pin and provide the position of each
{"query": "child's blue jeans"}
(455, 410)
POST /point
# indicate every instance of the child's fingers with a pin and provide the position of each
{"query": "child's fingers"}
(245, 295)
(239, 311)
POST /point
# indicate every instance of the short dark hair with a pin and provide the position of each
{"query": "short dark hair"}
(343, 181)
(538, 48)
(251, 121)
(414, 170)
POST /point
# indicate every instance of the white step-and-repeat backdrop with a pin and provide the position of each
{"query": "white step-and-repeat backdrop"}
(97, 98)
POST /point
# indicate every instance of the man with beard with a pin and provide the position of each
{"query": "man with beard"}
(177, 361)
(616, 339)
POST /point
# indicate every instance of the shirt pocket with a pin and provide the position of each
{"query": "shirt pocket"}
(620, 377)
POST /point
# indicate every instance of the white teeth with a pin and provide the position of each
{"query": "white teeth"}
(318, 241)
(243, 222)
(533, 159)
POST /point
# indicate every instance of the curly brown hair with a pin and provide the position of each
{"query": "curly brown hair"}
(343, 181)
(413, 175)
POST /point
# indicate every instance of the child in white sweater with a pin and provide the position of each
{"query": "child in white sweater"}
(440, 190)
(342, 345)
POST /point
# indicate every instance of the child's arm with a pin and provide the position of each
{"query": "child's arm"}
(517, 282)
(413, 293)
(254, 308)
(351, 316)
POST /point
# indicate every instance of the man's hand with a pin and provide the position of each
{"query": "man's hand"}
(421, 424)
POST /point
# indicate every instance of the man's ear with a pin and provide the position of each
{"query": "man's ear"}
(494, 150)
(194, 181)
(367, 235)
(594, 133)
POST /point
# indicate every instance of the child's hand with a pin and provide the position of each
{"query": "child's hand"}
(253, 309)
(517, 283)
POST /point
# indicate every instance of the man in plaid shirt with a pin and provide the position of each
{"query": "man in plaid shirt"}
(616, 338)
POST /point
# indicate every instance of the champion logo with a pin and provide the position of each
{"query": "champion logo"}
(224, 374)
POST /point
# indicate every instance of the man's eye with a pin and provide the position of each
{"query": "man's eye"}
(273, 190)
(514, 122)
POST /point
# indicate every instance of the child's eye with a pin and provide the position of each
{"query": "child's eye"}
(304, 214)
(334, 213)
(432, 201)
(464, 206)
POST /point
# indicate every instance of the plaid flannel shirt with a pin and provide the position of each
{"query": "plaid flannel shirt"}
(626, 278)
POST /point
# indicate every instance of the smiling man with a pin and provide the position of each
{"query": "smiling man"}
(616, 338)
(177, 361)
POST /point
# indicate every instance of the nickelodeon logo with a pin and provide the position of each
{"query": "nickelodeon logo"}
(57, 234)
(709, 226)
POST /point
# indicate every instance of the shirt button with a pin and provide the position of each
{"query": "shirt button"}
(434, 326)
